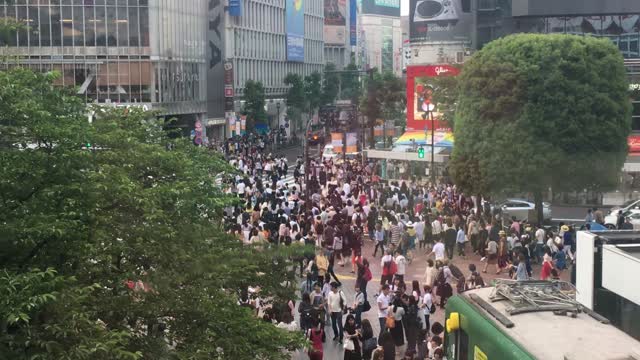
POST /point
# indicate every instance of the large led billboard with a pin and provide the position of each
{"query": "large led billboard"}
(295, 30)
(419, 95)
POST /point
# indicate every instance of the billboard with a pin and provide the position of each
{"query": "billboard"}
(295, 30)
(382, 7)
(215, 62)
(419, 92)
(440, 20)
(335, 22)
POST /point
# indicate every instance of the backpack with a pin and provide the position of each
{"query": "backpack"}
(440, 280)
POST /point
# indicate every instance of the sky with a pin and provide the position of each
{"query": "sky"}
(404, 7)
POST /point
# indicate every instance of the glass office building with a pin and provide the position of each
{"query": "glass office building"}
(150, 52)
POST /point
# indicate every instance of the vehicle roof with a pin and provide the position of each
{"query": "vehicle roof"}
(549, 337)
(518, 200)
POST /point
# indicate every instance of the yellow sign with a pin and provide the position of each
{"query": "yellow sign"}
(478, 354)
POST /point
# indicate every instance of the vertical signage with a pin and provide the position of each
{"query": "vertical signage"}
(215, 68)
(335, 22)
(229, 92)
(295, 30)
(235, 7)
(420, 91)
(353, 22)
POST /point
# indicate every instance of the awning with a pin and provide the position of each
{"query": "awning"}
(422, 138)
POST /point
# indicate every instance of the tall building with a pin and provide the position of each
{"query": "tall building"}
(264, 41)
(149, 53)
(381, 35)
(340, 31)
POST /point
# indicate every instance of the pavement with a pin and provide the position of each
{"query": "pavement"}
(415, 271)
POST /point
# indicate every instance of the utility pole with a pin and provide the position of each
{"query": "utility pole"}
(433, 148)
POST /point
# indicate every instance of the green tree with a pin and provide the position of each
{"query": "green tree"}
(115, 250)
(445, 96)
(351, 88)
(254, 98)
(330, 84)
(385, 98)
(296, 97)
(313, 92)
(541, 111)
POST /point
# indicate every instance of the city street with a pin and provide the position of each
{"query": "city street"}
(415, 271)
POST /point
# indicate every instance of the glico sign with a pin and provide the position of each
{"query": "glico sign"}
(419, 91)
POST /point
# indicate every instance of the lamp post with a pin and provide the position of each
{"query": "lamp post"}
(429, 108)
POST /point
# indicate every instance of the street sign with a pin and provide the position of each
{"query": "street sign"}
(343, 102)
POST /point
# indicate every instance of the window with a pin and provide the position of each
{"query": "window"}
(462, 345)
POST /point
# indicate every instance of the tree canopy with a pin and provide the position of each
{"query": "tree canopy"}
(385, 98)
(111, 237)
(254, 97)
(540, 111)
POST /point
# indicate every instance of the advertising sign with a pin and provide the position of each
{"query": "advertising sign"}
(335, 22)
(215, 58)
(439, 20)
(295, 30)
(353, 22)
(352, 142)
(235, 8)
(381, 7)
(634, 144)
(228, 83)
(387, 49)
(419, 93)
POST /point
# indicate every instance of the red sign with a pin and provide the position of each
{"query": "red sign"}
(634, 144)
(228, 91)
(419, 94)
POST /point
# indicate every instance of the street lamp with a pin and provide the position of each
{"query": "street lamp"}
(278, 118)
(428, 109)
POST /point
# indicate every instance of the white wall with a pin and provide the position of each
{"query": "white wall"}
(585, 247)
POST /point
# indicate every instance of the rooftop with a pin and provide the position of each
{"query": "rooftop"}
(558, 337)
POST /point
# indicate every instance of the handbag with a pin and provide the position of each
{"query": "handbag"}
(349, 345)
(432, 309)
(366, 306)
(390, 322)
(370, 344)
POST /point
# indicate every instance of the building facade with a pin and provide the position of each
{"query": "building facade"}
(265, 41)
(380, 35)
(150, 53)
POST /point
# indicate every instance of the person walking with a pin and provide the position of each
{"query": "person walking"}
(369, 342)
(427, 305)
(461, 238)
(411, 321)
(492, 256)
(336, 302)
(317, 337)
(398, 311)
(352, 348)
(378, 236)
(383, 308)
(358, 304)
(450, 239)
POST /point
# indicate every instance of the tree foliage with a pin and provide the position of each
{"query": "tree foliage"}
(254, 98)
(313, 92)
(296, 98)
(330, 84)
(540, 111)
(115, 250)
(445, 96)
(351, 87)
(385, 98)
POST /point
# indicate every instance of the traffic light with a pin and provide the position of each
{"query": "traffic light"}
(420, 153)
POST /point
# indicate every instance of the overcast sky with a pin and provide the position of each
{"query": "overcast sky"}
(404, 7)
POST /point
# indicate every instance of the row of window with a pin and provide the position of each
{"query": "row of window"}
(270, 73)
(77, 2)
(57, 25)
(266, 46)
(269, 18)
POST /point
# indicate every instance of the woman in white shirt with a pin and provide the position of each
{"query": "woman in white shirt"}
(427, 304)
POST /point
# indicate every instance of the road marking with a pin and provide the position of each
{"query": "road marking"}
(569, 220)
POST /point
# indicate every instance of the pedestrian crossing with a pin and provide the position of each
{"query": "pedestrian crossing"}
(289, 181)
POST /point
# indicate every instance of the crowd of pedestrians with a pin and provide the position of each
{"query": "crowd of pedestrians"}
(347, 204)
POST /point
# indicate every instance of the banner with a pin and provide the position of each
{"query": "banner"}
(235, 7)
(352, 142)
(353, 22)
(336, 142)
(440, 20)
(295, 30)
(381, 7)
(335, 22)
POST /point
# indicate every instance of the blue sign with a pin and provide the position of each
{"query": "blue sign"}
(295, 30)
(353, 27)
(235, 7)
